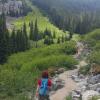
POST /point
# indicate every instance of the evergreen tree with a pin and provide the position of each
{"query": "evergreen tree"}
(13, 42)
(58, 41)
(47, 33)
(70, 35)
(62, 39)
(3, 41)
(31, 31)
(25, 37)
(36, 33)
(7, 37)
(48, 40)
(66, 38)
(54, 35)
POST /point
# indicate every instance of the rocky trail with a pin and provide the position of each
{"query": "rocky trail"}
(70, 84)
(68, 87)
(80, 87)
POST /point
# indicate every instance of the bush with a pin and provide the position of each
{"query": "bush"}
(22, 70)
(95, 98)
(85, 70)
(95, 57)
(70, 48)
(97, 46)
(69, 97)
(93, 37)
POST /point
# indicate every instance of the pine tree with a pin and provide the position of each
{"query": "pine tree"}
(13, 42)
(47, 33)
(3, 41)
(70, 35)
(54, 35)
(7, 37)
(36, 33)
(25, 37)
(58, 41)
(31, 31)
(19, 41)
(62, 39)
(46, 40)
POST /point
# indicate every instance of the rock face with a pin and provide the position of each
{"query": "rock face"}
(94, 79)
(87, 87)
(11, 6)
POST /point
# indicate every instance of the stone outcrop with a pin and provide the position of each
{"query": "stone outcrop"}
(87, 87)
(11, 6)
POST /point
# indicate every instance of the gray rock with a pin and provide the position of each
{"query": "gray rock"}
(94, 79)
(89, 94)
(94, 87)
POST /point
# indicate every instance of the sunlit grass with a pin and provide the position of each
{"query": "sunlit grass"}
(43, 22)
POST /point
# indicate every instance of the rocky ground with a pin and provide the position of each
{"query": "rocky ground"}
(67, 85)
(81, 87)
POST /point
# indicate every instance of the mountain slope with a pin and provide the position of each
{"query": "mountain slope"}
(72, 15)
(43, 22)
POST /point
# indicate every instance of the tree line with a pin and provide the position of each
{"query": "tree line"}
(11, 42)
(19, 40)
(73, 18)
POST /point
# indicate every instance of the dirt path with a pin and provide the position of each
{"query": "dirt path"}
(69, 83)
(69, 86)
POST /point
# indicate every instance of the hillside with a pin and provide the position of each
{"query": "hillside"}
(58, 37)
(72, 15)
(23, 69)
(43, 22)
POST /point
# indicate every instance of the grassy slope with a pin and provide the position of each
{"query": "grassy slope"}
(22, 70)
(43, 22)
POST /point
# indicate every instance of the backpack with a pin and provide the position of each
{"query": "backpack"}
(44, 87)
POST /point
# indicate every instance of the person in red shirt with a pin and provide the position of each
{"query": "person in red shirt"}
(44, 86)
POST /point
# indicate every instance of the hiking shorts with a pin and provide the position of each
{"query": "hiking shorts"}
(41, 97)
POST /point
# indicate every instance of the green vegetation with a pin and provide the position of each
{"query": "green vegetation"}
(22, 70)
(85, 70)
(95, 98)
(73, 16)
(93, 41)
(43, 22)
(93, 38)
(69, 97)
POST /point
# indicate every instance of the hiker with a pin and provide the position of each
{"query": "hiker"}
(43, 88)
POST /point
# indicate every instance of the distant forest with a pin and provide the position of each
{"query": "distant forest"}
(72, 15)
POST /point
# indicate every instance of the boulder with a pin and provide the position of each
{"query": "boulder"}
(94, 87)
(76, 95)
(94, 79)
(89, 94)
(60, 70)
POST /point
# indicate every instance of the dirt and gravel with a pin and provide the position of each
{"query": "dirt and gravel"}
(68, 87)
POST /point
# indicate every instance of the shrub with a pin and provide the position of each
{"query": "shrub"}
(95, 57)
(84, 70)
(95, 98)
(22, 70)
(70, 48)
(69, 97)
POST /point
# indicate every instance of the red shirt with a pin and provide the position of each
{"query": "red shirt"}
(49, 82)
